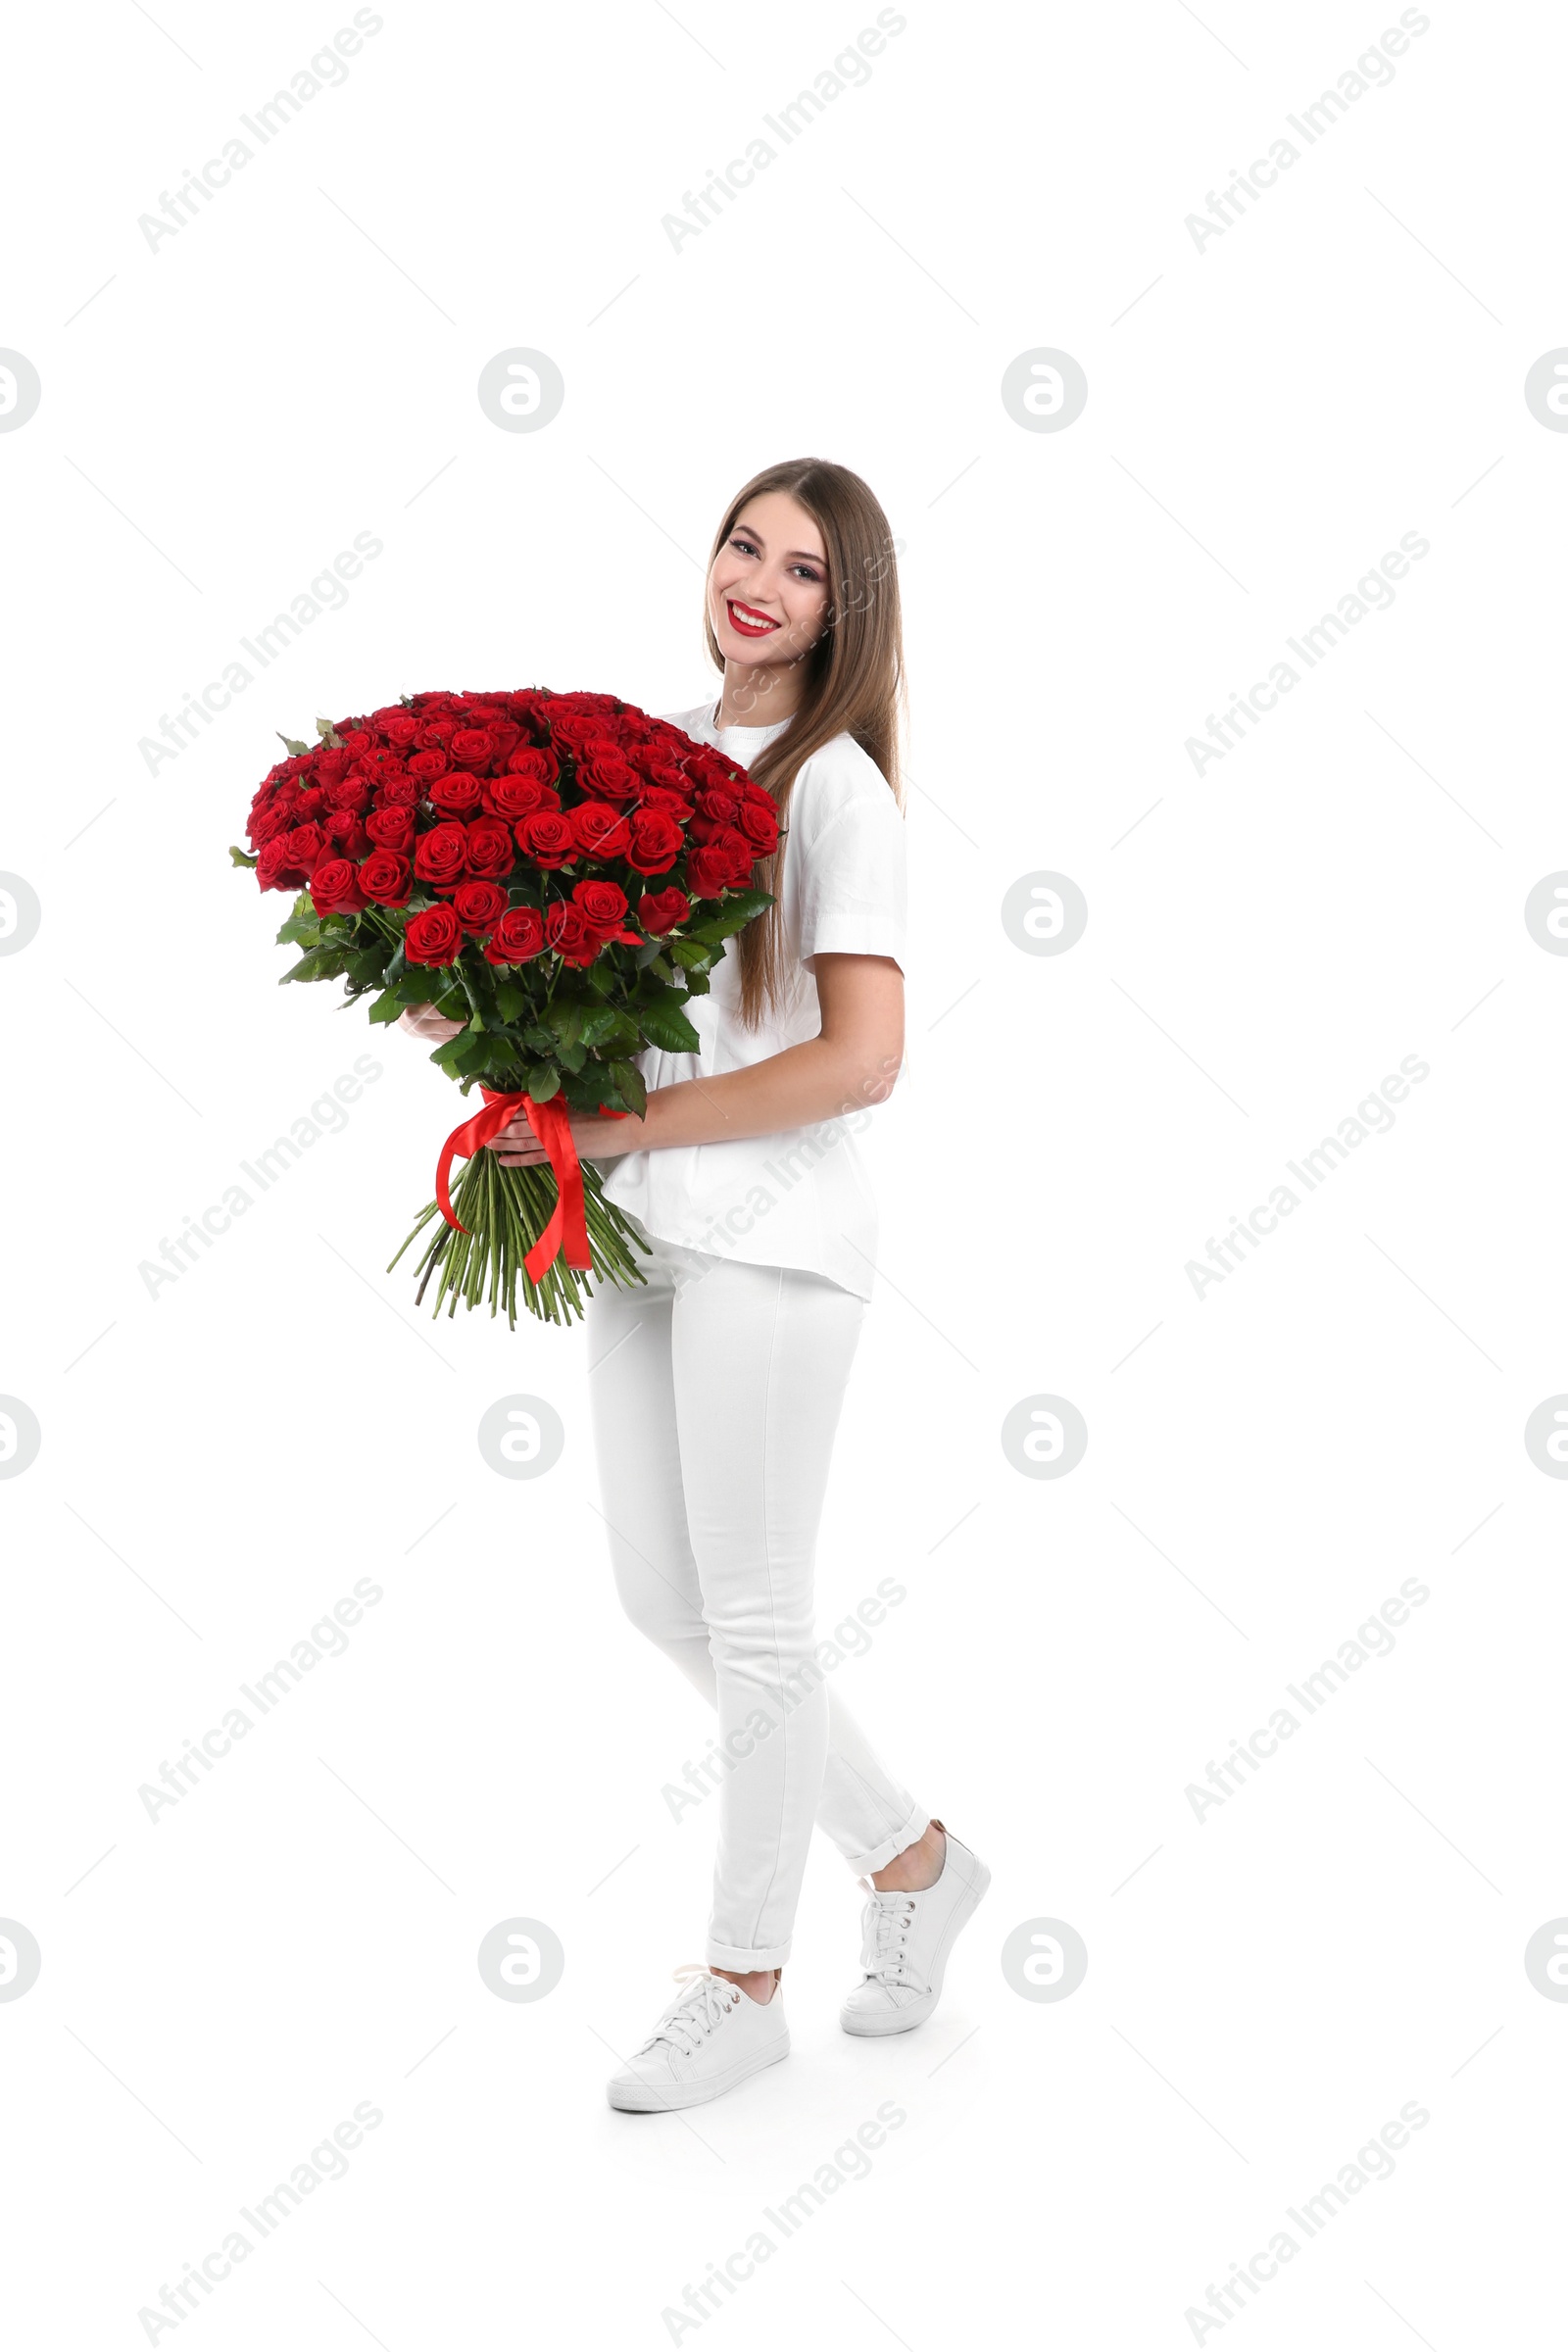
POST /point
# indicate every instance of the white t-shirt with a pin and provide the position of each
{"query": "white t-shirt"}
(799, 1196)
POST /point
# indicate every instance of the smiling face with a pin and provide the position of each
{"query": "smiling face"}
(767, 591)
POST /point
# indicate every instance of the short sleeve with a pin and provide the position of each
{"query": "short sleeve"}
(853, 884)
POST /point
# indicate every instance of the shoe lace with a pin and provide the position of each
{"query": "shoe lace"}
(702, 2003)
(885, 1926)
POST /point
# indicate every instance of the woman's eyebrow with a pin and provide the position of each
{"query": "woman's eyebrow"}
(797, 554)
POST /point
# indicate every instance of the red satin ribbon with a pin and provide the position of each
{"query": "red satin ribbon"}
(568, 1229)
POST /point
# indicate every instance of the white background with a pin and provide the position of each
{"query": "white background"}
(1266, 1464)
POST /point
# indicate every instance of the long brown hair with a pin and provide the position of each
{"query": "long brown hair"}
(853, 680)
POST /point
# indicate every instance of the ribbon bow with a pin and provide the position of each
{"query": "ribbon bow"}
(568, 1229)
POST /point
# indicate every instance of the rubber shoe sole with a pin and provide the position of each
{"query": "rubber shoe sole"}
(640, 2099)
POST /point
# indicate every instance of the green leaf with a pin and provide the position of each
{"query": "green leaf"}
(690, 953)
(605, 1026)
(566, 1022)
(291, 744)
(511, 1002)
(474, 1053)
(542, 1081)
(321, 963)
(329, 734)
(629, 1086)
(300, 931)
(366, 965)
(241, 857)
(669, 1029)
(572, 1058)
(738, 909)
(387, 1007)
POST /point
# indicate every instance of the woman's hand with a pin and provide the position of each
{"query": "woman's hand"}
(517, 1145)
(594, 1137)
(423, 1021)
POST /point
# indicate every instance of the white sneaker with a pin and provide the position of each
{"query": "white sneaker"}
(710, 2037)
(906, 1941)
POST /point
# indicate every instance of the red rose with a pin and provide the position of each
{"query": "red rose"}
(441, 855)
(517, 937)
(707, 871)
(568, 934)
(602, 904)
(492, 851)
(598, 830)
(386, 878)
(433, 936)
(664, 910)
(265, 823)
(572, 730)
(471, 747)
(336, 887)
(273, 869)
(425, 765)
(400, 727)
(343, 834)
(662, 796)
(356, 742)
(304, 846)
(606, 770)
(547, 837)
(391, 828)
(723, 806)
(759, 821)
(656, 841)
(542, 766)
(666, 774)
(478, 906)
(435, 734)
(398, 792)
(454, 794)
(309, 803)
(513, 797)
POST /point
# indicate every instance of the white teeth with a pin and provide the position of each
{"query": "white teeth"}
(748, 622)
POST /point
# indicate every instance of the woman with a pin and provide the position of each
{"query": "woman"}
(716, 1391)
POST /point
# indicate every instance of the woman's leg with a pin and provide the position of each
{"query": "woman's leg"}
(761, 1358)
(869, 1815)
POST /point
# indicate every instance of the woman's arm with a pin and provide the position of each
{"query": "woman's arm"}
(849, 1065)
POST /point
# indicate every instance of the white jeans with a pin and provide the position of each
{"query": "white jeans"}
(715, 1394)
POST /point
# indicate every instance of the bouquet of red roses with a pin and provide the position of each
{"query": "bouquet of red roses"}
(558, 871)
